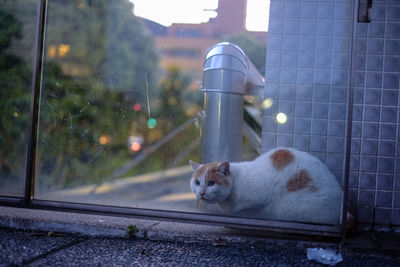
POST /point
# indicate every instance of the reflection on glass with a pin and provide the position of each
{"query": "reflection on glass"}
(119, 115)
(121, 105)
(100, 70)
(17, 20)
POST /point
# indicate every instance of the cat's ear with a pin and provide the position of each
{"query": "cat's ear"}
(194, 165)
(224, 168)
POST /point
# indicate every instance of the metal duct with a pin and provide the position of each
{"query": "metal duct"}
(227, 76)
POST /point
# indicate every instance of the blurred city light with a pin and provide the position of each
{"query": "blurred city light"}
(104, 139)
(135, 142)
(152, 123)
(267, 103)
(63, 50)
(52, 51)
(137, 107)
(58, 51)
(136, 146)
(281, 118)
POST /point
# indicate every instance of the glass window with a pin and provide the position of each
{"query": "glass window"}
(118, 116)
(17, 38)
(126, 96)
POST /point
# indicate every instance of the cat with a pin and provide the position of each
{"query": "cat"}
(282, 184)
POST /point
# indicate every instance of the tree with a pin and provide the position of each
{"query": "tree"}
(14, 101)
(99, 63)
(172, 88)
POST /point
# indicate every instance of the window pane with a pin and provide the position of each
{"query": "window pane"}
(120, 101)
(17, 31)
(121, 95)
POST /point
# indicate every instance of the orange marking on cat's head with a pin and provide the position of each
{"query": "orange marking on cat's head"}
(281, 158)
(200, 170)
(298, 181)
(213, 172)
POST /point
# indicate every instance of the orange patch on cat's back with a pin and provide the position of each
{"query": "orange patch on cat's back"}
(281, 158)
(298, 181)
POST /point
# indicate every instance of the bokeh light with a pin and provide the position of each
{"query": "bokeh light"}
(152, 123)
(137, 107)
(281, 118)
(63, 50)
(135, 146)
(104, 139)
(267, 103)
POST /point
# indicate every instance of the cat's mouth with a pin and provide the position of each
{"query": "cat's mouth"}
(203, 198)
(207, 200)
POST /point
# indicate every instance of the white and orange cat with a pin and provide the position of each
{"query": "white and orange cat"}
(282, 184)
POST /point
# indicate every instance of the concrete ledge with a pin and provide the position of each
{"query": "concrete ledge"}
(108, 226)
(111, 226)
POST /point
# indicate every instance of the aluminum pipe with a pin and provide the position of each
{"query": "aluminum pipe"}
(227, 75)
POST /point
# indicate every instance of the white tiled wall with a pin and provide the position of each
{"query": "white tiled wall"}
(375, 165)
(308, 71)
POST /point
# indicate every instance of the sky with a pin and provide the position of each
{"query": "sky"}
(167, 12)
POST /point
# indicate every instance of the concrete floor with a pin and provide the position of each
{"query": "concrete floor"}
(50, 238)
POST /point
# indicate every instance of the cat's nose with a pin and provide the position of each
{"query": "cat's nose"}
(202, 194)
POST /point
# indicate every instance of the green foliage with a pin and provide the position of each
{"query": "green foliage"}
(98, 62)
(131, 230)
(10, 28)
(171, 97)
(106, 41)
(86, 117)
(14, 101)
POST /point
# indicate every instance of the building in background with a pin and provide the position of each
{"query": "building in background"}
(185, 45)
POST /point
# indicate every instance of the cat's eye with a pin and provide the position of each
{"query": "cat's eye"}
(211, 183)
(197, 182)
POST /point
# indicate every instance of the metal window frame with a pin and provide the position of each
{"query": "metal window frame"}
(35, 100)
(28, 200)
